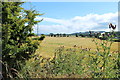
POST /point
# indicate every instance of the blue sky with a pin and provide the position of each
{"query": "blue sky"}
(69, 17)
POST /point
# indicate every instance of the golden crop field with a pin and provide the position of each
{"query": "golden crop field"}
(49, 44)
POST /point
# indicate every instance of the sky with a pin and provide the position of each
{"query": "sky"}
(71, 17)
(71, 0)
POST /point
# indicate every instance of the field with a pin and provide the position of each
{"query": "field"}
(72, 57)
(76, 53)
(49, 44)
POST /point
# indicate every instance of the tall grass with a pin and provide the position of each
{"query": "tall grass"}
(73, 62)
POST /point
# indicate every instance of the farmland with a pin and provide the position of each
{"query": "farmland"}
(67, 57)
(49, 44)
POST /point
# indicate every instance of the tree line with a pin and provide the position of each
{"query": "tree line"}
(90, 34)
(58, 35)
(76, 35)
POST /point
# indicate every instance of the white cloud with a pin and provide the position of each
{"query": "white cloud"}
(79, 23)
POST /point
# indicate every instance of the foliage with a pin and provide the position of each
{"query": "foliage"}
(82, 35)
(94, 65)
(32, 34)
(76, 35)
(108, 63)
(17, 25)
(42, 37)
(72, 63)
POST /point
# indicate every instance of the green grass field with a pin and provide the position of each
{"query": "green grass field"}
(64, 57)
(49, 44)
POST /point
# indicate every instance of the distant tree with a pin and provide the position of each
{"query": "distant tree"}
(82, 35)
(76, 35)
(60, 35)
(90, 33)
(51, 34)
(54, 35)
(96, 35)
(68, 35)
(64, 35)
(57, 35)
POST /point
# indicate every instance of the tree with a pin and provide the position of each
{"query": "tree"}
(60, 35)
(51, 34)
(57, 35)
(54, 35)
(16, 44)
(90, 33)
(42, 37)
(76, 35)
(82, 35)
(64, 35)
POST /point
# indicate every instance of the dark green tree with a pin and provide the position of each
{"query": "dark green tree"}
(64, 35)
(51, 34)
(57, 35)
(42, 37)
(68, 35)
(60, 35)
(76, 35)
(54, 35)
(17, 47)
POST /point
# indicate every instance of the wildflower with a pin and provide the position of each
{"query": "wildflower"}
(108, 34)
(112, 26)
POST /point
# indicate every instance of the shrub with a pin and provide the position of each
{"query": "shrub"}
(42, 37)
(32, 34)
(16, 45)
(76, 35)
(82, 35)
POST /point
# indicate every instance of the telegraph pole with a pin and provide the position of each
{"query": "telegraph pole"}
(37, 29)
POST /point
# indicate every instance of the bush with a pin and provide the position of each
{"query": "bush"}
(82, 35)
(16, 45)
(42, 37)
(32, 34)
